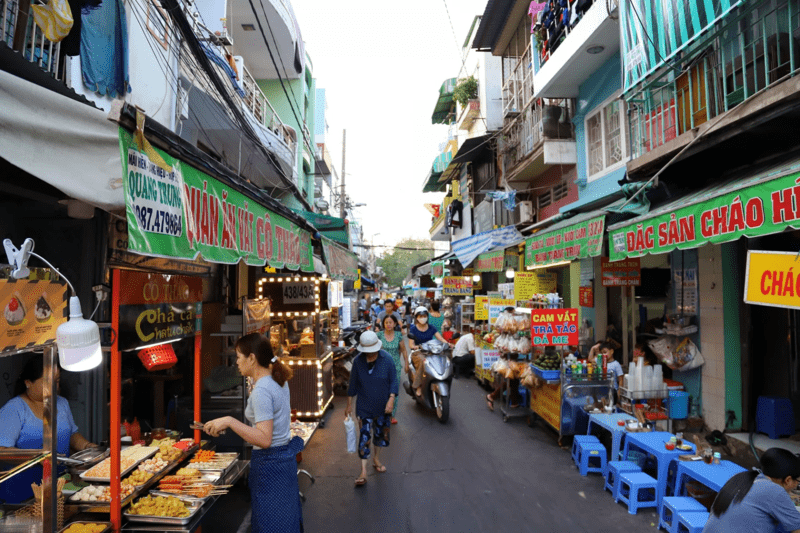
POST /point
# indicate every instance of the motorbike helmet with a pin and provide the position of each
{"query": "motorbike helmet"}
(419, 310)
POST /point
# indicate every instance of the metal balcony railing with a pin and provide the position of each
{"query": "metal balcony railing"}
(257, 102)
(19, 31)
(545, 119)
(544, 56)
(442, 212)
(731, 64)
(518, 87)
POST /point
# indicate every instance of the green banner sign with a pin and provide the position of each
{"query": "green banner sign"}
(490, 261)
(576, 241)
(437, 269)
(714, 216)
(342, 264)
(185, 213)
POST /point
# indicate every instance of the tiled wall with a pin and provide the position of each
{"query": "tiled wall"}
(712, 335)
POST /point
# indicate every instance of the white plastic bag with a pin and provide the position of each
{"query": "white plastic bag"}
(351, 434)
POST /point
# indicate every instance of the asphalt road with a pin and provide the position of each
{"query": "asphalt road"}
(473, 474)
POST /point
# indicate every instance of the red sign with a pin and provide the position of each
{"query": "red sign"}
(554, 327)
(150, 288)
(586, 296)
(625, 273)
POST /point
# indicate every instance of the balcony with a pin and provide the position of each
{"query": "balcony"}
(518, 87)
(539, 137)
(323, 163)
(734, 66)
(586, 47)
(469, 115)
(20, 32)
(439, 230)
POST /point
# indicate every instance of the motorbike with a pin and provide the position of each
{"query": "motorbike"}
(343, 356)
(438, 376)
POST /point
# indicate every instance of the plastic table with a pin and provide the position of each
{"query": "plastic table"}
(609, 423)
(712, 476)
(653, 443)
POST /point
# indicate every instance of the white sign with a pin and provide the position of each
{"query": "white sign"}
(298, 293)
(686, 291)
(346, 314)
(506, 290)
(335, 293)
(489, 357)
(156, 195)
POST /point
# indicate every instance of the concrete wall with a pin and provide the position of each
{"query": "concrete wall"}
(712, 334)
(551, 177)
(490, 90)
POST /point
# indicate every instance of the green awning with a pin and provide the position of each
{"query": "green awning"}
(760, 205)
(439, 165)
(577, 237)
(333, 228)
(444, 112)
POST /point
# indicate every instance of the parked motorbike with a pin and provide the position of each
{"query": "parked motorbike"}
(438, 376)
(343, 356)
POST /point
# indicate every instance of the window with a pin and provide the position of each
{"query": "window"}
(606, 147)
(158, 23)
(553, 195)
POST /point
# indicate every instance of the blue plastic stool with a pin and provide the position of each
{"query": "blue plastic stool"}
(638, 493)
(775, 417)
(613, 470)
(576, 441)
(592, 452)
(691, 521)
(672, 505)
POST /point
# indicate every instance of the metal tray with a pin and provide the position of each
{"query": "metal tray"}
(106, 530)
(194, 506)
(223, 470)
(123, 473)
(156, 492)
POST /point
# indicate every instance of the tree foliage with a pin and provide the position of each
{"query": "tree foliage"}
(397, 262)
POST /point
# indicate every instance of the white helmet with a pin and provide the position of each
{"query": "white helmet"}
(420, 309)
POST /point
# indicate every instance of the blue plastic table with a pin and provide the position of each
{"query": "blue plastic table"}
(712, 476)
(609, 423)
(653, 443)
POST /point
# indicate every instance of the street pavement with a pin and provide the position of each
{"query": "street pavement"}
(473, 474)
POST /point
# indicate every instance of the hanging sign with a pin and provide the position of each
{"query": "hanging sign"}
(497, 305)
(32, 310)
(586, 296)
(554, 327)
(490, 356)
(342, 264)
(728, 212)
(186, 213)
(481, 308)
(685, 291)
(157, 308)
(624, 273)
(335, 294)
(583, 239)
(256, 315)
(506, 290)
(470, 273)
(490, 262)
(773, 279)
(526, 284)
(437, 269)
(546, 402)
(457, 286)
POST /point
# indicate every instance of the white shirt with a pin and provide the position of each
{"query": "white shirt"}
(464, 345)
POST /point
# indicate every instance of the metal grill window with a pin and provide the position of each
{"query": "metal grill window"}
(605, 135)
(545, 199)
(560, 191)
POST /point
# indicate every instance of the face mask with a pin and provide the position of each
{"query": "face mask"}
(423, 320)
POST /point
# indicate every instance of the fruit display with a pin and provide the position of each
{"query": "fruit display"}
(138, 477)
(550, 361)
(166, 506)
(153, 465)
(85, 527)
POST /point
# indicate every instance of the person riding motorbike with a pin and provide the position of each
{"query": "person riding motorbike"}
(420, 333)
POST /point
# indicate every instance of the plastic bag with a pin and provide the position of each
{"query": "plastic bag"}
(678, 354)
(351, 434)
(54, 19)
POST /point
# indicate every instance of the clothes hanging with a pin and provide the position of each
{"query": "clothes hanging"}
(104, 49)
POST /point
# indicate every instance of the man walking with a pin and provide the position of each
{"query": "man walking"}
(388, 309)
(374, 381)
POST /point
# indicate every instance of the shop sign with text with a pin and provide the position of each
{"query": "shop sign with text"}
(554, 327)
(481, 308)
(622, 273)
(586, 296)
(580, 240)
(526, 284)
(186, 213)
(497, 306)
(342, 264)
(457, 286)
(470, 273)
(763, 208)
(256, 316)
(437, 269)
(490, 261)
(773, 279)
(32, 310)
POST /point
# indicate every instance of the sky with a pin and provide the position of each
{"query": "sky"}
(381, 64)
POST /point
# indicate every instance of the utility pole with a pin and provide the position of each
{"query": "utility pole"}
(343, 197)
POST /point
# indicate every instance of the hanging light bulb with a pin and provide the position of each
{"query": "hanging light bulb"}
(510, 273)
(476, 278)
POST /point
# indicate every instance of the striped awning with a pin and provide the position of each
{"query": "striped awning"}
(471, 247)
(444, 111)
(440, 163)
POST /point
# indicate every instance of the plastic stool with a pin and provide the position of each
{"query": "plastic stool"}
(576, 441)
(592, 452)
(613, 470)
(671, 505)
(638, 494)
(691, 521)
(775, 417)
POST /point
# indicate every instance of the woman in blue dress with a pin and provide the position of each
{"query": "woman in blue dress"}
(392, 342)
(273, 467)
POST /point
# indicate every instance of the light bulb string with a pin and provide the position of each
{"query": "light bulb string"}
(46, 262)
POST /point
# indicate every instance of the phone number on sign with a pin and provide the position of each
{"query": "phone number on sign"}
(157, 221)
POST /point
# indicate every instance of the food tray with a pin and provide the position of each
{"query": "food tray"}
(156, 492)
(212, 467)
(194, 505)
(106, 530)
(125, 472)
(547, 375)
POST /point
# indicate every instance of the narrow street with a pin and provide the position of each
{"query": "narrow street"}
(474, 473)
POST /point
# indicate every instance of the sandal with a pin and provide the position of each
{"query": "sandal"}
(394, 421)
(360, 482)
(489, 403)
(381, 468)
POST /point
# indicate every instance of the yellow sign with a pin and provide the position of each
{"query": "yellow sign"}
(457, 286)
(546, 402)
(357, 282)
(526, 284)
(773, 279)
(32, 311)
(469, 273)
(481, 308)
(496, 306)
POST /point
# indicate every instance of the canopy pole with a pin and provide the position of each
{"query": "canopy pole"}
(115, 407)
(198, 341)
(50, 443)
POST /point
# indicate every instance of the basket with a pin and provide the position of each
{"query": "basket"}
(159, 357)
(547, 375)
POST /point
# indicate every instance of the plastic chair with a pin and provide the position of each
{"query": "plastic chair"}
(775, 417)
(613, 470)
(576, 442)
(691, 521)
(641, 491)
(672, 505)
(592, 453)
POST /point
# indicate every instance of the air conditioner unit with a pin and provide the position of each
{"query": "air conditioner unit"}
(524, 212)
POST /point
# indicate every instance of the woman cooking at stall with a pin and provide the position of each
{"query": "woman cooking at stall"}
(420, 333)
(21, 427)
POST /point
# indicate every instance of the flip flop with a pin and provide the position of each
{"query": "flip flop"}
(380, 469)
(489, 403)
(360, 482)
(394, 421)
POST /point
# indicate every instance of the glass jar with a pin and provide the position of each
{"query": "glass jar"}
(679, 439)
(708, 456)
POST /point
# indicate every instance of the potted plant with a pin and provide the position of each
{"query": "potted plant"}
(466, 90)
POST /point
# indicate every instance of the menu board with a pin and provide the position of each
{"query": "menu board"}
(526, 284)
(481, 308)
(32, 311)
(496, 306)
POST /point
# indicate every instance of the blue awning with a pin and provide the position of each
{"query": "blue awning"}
(366, 281)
